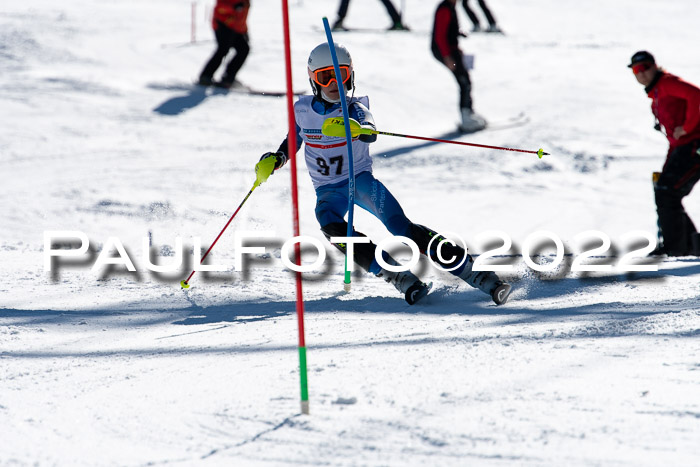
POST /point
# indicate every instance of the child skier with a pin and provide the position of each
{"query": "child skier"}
(326, 159)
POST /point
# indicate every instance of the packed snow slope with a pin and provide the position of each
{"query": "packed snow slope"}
(103, 133)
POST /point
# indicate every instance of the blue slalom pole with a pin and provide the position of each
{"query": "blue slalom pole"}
(348, 137)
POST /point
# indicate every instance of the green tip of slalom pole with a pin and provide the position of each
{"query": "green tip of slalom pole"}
(184, 284)
(540, 153)
(347, 281)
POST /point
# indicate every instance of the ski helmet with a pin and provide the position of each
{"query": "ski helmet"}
(322, 73)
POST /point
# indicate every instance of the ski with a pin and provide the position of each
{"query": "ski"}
(500, 124)
(242, 89)
(512, 122)
(486, 31)
(369, 30)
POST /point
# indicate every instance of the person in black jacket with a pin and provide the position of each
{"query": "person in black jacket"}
(445, 47)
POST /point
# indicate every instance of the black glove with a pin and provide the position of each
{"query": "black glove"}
(280, 158)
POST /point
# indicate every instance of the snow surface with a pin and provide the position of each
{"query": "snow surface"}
(101, 134)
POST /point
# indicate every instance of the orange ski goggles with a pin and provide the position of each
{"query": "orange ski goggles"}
(641, 67)
(324, 76)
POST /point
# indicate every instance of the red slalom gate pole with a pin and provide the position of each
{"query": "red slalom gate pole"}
(292, 145)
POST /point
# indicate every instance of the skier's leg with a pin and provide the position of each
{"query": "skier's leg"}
(373, 196)
(680, 174)
(331, 207)
(672, 220)
(363, 253)
(461, 74)
(471, 121)
(472, 17)
(240, 43)
(452, 255)
(487, 12)
(692, 176)
(464, 82)
(391, 9)
(378, 200)
(343, 9)
(222, 34)
(342, 12)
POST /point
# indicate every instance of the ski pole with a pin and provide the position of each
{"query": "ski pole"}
(347, 135)
(263, 170)
(335, 126)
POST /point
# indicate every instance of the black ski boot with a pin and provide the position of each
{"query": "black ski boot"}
(486, 281)
(417, 291)
(407, 283)
(500, 293)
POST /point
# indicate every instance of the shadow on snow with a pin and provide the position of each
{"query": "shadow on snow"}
(176, 105)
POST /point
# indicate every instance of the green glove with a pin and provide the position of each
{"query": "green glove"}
(335, 126)
(269, 162)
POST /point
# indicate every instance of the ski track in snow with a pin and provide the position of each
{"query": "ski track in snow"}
(127, 369)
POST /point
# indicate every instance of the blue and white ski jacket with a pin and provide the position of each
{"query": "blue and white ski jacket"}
(327, 156)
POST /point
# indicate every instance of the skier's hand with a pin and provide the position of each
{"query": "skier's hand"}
(679, 132)
(269, 162)
(279, 156)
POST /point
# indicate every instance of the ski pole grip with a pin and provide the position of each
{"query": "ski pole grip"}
(335, 126)
(264, 169)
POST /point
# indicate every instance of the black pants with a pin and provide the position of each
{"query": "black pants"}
(680, 173)
(472, 16)
(395, 17)
(227, 39)
(461, 75)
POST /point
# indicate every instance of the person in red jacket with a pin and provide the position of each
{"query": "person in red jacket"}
(231, 30)
(676, 107)
(445, 48)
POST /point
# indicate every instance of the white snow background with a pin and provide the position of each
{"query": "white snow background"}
(100, 133)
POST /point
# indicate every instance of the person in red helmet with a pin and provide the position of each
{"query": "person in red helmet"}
(231, 30)
(676, 106)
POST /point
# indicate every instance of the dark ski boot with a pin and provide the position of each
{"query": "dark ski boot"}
(407, 283)
(501, 293)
